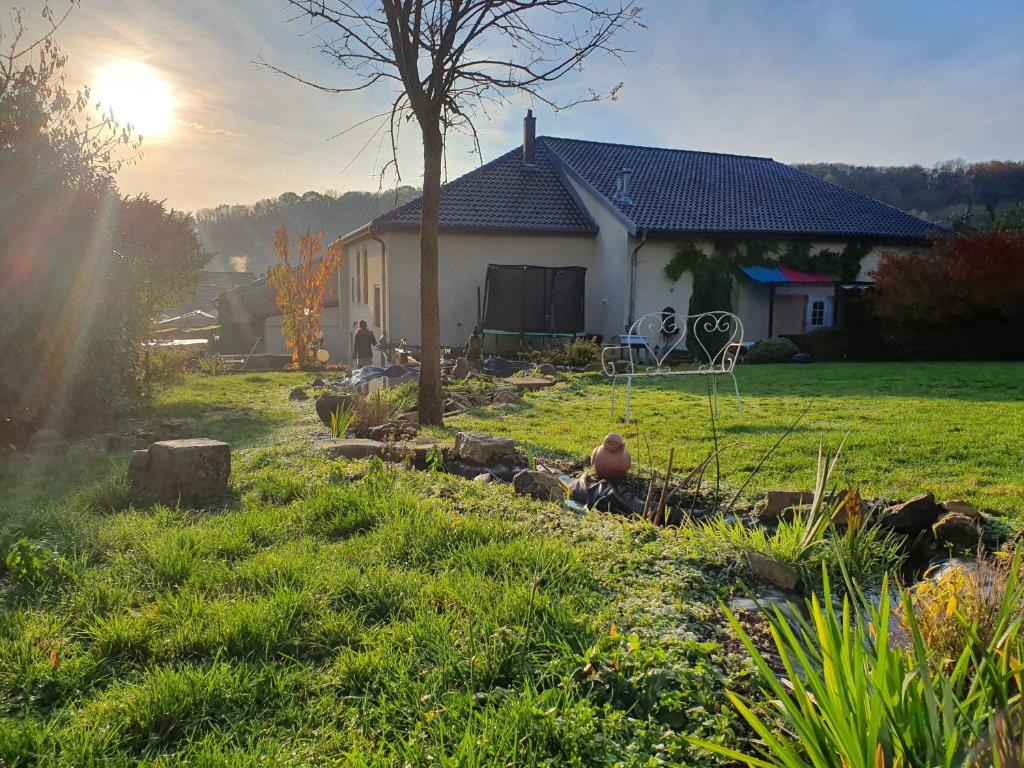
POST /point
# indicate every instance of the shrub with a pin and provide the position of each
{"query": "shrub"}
(964, 299)
(165, 365)
(854, 697)
(771, 351)
(84, 267)
(578, 353)
(976, 593)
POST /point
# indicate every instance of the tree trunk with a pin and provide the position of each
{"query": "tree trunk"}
(430, 407)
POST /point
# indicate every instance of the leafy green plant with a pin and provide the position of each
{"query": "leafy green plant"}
(341, 420)
(771, 351)
(211, 366)
(435, 460)
(30, 563)
(854, 696)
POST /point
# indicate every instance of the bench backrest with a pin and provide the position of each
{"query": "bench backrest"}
(712, 338)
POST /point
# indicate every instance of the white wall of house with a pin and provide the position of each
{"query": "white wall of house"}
(462, 269)
(654, 291)
(608, 280)
(273, 338)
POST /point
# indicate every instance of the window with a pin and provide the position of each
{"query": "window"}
(358, 297)
(818, 313)
(366, 277)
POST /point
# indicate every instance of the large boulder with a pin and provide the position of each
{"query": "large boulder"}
(484, 450)
(912, 516)
(352, 447)
(540, 485)
(190, 471)
(327, 405)
(546, 369)
(957, 529)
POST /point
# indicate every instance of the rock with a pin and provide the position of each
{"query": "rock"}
(46, 441)
(298, 394)
(504, 396)
(461, 369)
(413, 453)
(326, 405)
(913, 516)
(381, 432)
(531, 383)
(483, 450)
(956, 505)
(351, 447)
(766, 603)
(771, 570)
(610, 459)
(318, 383)
(484, 477)
(412, 417)
(546, 369)
(189, 471)
(957, 529)
(540, 485)
(777, 502)
(593, 368)
(621, 366)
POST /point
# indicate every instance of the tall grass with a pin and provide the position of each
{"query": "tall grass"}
(854, 697)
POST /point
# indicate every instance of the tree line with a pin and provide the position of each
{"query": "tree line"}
(981, 194)
(242, 236)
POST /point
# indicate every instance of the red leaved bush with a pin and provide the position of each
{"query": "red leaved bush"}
(964, 298)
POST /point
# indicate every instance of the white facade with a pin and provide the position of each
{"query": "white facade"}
(379, 281)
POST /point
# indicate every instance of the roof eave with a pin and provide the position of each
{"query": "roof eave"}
(655, 233)
(406, 228)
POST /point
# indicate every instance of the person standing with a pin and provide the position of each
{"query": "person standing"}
(362, 345)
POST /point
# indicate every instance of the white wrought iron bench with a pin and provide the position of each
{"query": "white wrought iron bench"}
(714, 340)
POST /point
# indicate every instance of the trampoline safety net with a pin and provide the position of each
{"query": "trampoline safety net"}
(527, 299)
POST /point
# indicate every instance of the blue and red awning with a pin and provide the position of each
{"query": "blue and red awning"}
(784, 276)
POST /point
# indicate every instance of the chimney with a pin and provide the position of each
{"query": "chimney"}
(622, 188)
(529, 137)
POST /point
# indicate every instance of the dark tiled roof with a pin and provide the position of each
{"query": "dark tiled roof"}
(678, 191)
(503, 195)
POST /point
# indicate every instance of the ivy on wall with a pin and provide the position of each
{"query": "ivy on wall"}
(713, 272)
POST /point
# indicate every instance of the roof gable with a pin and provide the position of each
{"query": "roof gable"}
(503, 195)
(682, 191)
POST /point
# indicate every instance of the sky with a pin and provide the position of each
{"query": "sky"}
(882, 82)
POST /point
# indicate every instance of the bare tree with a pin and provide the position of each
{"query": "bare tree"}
(448, 60)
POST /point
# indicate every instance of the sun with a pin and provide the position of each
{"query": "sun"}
(137, 95)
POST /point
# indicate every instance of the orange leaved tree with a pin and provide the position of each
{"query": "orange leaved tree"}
(300, 290)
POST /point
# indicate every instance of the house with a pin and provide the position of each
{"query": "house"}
(623, 213)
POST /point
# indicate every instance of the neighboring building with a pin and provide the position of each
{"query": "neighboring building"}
(621, 212)
(211, 285)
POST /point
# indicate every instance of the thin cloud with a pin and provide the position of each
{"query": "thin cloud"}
(205, 129)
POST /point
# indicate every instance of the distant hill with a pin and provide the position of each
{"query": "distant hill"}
(242, 236)
(978, 192)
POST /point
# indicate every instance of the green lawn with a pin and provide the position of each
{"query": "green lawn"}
(337, 613)
(956, 429)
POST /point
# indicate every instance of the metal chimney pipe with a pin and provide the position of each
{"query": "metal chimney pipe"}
(529, 138)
